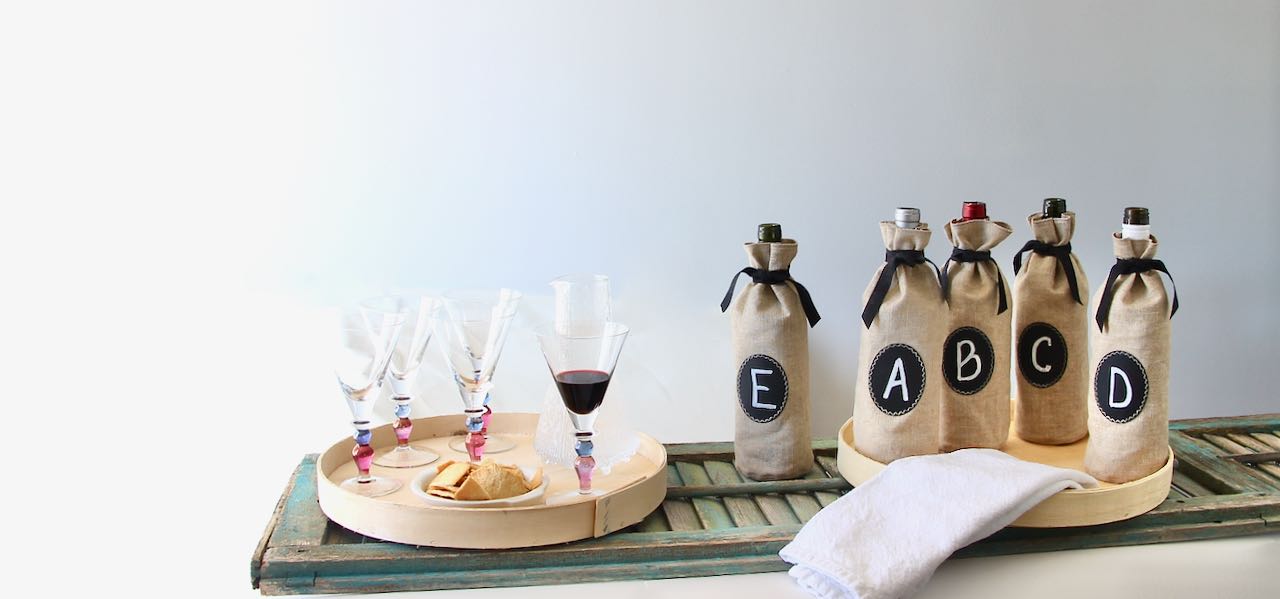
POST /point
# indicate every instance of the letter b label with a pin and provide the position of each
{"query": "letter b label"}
(968, 359)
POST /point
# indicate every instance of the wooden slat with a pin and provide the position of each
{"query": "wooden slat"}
(1251, 445)
(1269, 439)
(301, 522)
(800, 485)
(828, 464)
(1233, 424)
(804, 506)
(825, 498)
(710, 510)
(776, 509)
(655, 522)
(1188, 485)
(255, 563)
(743, 510)
(680, 513)
(1202, 461)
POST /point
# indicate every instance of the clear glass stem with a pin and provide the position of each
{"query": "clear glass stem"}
(403, 425)
(584, 465)
(362, 453)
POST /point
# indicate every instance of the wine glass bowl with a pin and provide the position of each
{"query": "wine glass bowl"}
(361, 354)
(582, 366)
(420, 312)
(472, 328)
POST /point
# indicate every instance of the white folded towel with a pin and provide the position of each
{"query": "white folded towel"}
(884, 539)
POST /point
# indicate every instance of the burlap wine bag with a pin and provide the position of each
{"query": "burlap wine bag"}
(899, 390)
(1050, 332)
(975, 354)
(770, 321)
(1129, 411)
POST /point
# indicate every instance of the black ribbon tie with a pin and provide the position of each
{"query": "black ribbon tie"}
(1131, 266)
(892, 260)
(960, 255)
(1061, 252)
(774, 277)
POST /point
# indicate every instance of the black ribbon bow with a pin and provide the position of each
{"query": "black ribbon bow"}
(1130, 266)
(960, 255)
(774, 277)
(1061, 252)
(893, 259)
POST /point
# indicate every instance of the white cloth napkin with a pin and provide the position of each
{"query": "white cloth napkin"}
(884, 539)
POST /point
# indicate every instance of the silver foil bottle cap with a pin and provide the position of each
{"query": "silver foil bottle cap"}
(907, 218)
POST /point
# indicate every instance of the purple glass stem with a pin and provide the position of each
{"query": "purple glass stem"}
(362, 453)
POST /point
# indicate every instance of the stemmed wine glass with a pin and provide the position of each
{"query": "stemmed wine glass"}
(361, 355)
(472, 328)
(582, 366)
(419, 313)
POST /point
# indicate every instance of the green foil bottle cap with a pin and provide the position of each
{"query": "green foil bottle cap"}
(769, 233)
(1054, 207)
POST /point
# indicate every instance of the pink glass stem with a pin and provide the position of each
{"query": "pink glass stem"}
(362, 453)
(403, 428)
(585, 464)
(475, 436)
(488, 415)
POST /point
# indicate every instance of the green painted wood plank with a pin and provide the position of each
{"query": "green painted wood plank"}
(829, 465)
(1188, 485)
(742, 510)
(776, 509)
(1232, 424)
(679, 512)
(1253, 445)
(710, 510)
(760, 487)
(804, 506)
(301, 521)
(337, 535)
(255, 562)
(1204, 462)
(1270, 439)
(825, 498)
(655, 522)
(815, 473)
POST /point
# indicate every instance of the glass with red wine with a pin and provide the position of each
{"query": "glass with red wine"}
(582, 365)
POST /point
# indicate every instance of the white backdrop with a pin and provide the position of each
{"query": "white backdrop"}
(186, 186)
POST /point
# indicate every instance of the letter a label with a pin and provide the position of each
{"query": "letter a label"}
(1120, 386)
(896, 379)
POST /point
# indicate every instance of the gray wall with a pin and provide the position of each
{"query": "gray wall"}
(646, 140)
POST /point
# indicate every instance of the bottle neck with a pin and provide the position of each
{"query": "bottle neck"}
(1139, 232)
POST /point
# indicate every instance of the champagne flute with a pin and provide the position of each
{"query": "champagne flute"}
(406, 357)
(582, 366)
(362, 351)
(473, 327)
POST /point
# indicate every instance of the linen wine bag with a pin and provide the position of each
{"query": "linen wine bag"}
(770, 322)
(1050, 327)
(975, 355)
(1129, 414)
(899, 390)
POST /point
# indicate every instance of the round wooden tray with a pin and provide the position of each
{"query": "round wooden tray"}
(631, 491)
(1073, 507)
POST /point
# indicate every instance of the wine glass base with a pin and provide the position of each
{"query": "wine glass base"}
(409, 456)
(375, 487)
(492, 444)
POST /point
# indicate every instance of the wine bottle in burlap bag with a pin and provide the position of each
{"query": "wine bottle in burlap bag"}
(899, 386)
(770, 321)
(975, 355)
(1129, 414)
(1050, 328)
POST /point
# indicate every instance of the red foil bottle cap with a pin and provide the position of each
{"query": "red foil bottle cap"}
(974, 211)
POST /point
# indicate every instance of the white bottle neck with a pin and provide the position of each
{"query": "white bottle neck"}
(1139, 232)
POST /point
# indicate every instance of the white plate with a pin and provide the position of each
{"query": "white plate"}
(420, 482)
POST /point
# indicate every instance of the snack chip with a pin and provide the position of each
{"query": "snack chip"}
(464, 481)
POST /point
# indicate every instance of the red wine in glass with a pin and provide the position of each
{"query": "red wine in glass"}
(582, 390)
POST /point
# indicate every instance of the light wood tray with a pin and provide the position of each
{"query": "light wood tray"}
(631, 491)
(1107, 502)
